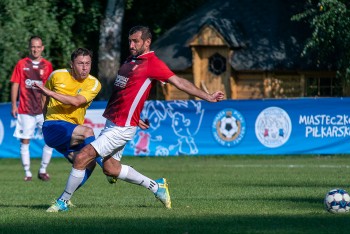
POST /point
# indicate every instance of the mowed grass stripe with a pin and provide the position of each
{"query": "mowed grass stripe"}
(221, 194)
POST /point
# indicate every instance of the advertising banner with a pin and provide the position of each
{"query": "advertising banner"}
(231, 127)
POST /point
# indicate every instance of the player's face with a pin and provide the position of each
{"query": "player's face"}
(36, 48)
(81, 67)
(137, 46)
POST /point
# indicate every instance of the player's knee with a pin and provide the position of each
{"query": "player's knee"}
(88, 132)
(85, 157)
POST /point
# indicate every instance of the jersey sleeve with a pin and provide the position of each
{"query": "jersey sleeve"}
(159, 70)
(48, 71)
(50, 81)
(17, 73)
(91, 90)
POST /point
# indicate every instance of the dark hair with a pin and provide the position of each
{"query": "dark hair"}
(146, 32)
(80, 51)
(34, 37)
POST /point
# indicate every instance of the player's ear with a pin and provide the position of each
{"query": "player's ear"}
(148, 42)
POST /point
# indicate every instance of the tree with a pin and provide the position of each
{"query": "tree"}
(67, 24)
(56, 21)
(330, 39)
(110, 42)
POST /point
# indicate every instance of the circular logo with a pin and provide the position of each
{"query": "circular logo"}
(273, 127)
(1, 132)
(228, 127)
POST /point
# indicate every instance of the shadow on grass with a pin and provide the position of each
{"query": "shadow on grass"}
(61, 223)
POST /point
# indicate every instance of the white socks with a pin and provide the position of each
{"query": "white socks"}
(74, 180)
(46, 157)
(25, 156)
(127, 174)
(130, 175)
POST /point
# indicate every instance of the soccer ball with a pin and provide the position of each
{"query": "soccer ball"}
(228, 126)
(337, 201)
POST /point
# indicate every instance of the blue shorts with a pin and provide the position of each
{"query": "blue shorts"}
(58, 135)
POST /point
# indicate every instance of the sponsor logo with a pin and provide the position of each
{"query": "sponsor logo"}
(29, 83)
(273, 127)
(228, 127)
(121, 81)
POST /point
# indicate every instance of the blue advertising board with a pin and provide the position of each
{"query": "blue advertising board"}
(230, 127)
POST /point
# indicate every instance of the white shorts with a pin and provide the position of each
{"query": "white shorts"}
(112, 140)
(26, 125)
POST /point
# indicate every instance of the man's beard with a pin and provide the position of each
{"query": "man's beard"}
(139, 52)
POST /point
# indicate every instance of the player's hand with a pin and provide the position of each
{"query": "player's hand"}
(217, 96)
(37, 85)
(14, 111)
(144, 124)
(41, 88)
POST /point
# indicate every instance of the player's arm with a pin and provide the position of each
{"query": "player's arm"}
(65, 99)
(44, 103)
(14, 96)
(191, 89)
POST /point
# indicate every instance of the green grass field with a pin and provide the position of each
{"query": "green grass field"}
(238, 194)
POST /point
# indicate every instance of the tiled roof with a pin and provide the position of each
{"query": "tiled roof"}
(260, 31)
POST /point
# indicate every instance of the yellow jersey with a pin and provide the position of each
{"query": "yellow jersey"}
(61, 81)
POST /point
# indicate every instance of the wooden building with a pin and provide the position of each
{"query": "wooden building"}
(250, 49)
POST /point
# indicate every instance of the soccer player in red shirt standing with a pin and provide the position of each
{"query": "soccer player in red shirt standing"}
(29, 114)
(131, 89)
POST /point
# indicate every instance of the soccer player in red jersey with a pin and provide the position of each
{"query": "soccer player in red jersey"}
(131, 89)
(29, 114)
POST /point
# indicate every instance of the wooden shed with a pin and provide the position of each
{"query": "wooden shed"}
(250, 49)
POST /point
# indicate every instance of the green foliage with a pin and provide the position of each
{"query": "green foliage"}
(58, 22)
(159, 15)
(330, 39)
(237, 194)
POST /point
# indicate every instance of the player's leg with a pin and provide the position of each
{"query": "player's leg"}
(68, 139)
(46, 154)
(159, 187)
(75, 179)
(112, 142)
(25, 127)
(81, 138)
(25, 157)
(86, 134)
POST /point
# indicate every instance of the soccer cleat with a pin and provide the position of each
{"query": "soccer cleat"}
(43, 176)
(27, 178)
(70, 204)
(162, 193)
(112, 179)
(58, 206)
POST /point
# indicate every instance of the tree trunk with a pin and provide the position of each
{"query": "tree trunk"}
(109, 48)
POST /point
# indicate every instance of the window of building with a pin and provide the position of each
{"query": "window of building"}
(323, 87)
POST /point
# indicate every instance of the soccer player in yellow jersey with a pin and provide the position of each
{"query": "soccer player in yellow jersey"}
(67, 95)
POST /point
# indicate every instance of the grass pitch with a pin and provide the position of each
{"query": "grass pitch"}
(238, 194)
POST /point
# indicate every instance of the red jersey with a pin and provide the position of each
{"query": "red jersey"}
(27, 72)
(132, 87)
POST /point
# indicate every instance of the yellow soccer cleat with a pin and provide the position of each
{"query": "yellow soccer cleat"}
(162, 193)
